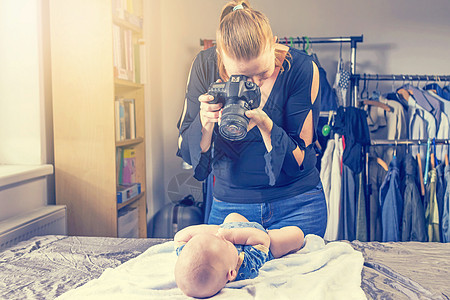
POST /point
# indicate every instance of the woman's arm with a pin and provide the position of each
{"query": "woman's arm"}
(195, 133)
(285, 240)
(291, 144)
(265, 124)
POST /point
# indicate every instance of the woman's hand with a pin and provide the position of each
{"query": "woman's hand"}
(209, 113)
(259, 118)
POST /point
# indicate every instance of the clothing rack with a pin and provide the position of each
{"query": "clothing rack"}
(407, 142)
(353, 40)
(402, 77)
(376, 142)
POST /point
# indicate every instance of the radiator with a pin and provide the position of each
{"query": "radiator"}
(49, 219)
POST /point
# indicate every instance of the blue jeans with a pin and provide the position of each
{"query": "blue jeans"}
(308, 211)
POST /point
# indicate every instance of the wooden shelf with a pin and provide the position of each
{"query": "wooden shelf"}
(126, 24)
(82, 47)
(131, 201)
(132, 142)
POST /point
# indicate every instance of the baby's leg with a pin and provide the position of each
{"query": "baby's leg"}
(235, 217)
(285, 240)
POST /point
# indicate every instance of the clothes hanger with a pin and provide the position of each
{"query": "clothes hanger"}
(365, 90)
(433, 164)
(377, 104)
(380, 161)
(427, 161)
(395, 148)
(434, 159)
(291, 42)
(326, 129)
(376, 93)
(307, 44)
(314, 56)
(419, 165)
(373, 102)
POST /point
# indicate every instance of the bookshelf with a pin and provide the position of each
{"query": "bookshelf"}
(85, 85)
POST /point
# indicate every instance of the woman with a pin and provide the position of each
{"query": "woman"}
(270, 176)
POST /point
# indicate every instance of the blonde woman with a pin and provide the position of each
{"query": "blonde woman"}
(270, 176)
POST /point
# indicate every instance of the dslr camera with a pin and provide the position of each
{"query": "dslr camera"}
(237, 96)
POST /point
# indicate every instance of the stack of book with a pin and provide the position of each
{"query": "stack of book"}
(126, 174)
(128, 47)
(126, 192)
(125, 119)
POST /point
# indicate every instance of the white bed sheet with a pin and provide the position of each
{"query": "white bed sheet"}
(318, 271)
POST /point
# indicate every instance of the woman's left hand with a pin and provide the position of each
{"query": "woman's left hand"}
(259, 118)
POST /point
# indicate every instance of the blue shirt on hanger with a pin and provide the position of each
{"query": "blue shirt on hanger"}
(391, 204)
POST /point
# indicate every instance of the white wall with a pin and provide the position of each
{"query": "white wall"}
(402, 37)
(25, 102)
(22, 123)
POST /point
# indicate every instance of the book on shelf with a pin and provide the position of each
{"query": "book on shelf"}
(129, 166)
(119, 164)
(128, 10)
(127, 44)
(127, 191)
(123, 53)
(125, 119)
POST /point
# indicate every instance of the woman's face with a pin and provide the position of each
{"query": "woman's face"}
(258, 69)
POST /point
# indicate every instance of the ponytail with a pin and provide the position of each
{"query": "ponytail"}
(243, 34)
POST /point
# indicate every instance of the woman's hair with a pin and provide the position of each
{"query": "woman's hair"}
(243, 34)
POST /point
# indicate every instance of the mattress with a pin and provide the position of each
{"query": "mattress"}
(48, 266)
(405, 270)
(45, 267)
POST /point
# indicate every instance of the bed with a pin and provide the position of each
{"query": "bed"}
(47, 267)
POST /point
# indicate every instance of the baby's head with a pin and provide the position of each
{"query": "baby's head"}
(206, 263)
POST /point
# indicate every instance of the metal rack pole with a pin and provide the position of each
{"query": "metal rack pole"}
(402, 77)
(378, 142)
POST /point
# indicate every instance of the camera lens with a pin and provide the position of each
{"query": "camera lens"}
(234, 123)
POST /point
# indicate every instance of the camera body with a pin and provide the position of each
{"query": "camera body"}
(237, 95)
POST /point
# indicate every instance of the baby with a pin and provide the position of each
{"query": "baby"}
(209, 256)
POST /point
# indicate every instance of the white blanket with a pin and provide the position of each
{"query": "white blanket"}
(317, 271)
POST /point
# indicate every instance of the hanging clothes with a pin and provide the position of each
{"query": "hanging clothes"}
(352, 124)
(325, 171)
(391, 203)
(446, 92)
(413, 225)
(446, 211)
(440, 192)
(341, 83)
(331, 233)
(421, 125)
(444, 126)
(347, 225)
(389, 125)
(424, 100)
(431, 209)
(328, 98)
(376, 174)
(443, 133)
(361, 217)
(442, 92)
